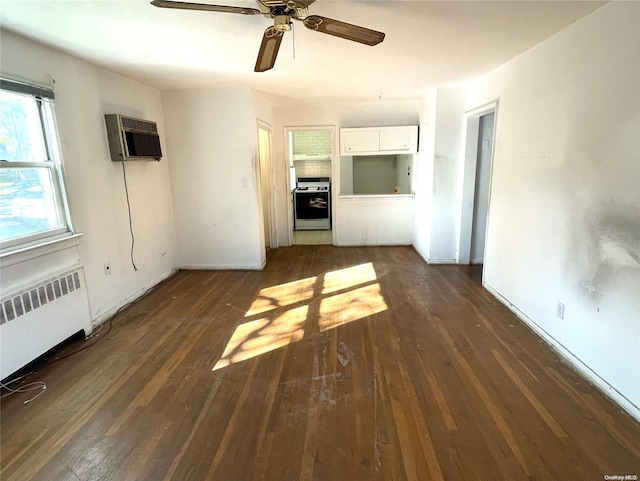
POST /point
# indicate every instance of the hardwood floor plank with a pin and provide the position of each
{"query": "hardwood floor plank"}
(54, 444)
(150, 389)
(490, 405)
(195, 427)
(542, 411)
(347, 363)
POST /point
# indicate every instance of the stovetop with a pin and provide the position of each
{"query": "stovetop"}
(312, 188)
(313, 184)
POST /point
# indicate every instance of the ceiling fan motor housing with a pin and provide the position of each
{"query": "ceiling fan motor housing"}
(282, 23)
(301, 13)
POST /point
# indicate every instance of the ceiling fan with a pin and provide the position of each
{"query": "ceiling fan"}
(282, 12)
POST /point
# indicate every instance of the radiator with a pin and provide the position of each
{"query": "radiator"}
(37, 318)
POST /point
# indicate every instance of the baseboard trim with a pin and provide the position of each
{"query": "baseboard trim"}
(132, 298)
(373, 244)
(580, 366)
(443, 261)
(230, 267)
(433, 261)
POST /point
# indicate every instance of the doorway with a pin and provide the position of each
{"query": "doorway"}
(310, 154)
(477, 185)
(266, 187)
(481, 195)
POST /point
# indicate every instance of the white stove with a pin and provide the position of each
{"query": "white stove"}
(312, 203)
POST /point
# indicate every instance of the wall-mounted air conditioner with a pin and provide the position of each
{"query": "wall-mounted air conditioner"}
(132, 139)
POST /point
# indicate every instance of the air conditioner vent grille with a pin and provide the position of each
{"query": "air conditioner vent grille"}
(132, 139)
(136, 124)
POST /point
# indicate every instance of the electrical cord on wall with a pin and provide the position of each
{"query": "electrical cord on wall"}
(133, 239)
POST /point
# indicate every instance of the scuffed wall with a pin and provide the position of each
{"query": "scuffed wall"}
(564, 218)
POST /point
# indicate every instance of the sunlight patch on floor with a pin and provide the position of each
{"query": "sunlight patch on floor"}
(346, 295)
(282, 295)
(258, 337)
(350, 306)
(348, 277)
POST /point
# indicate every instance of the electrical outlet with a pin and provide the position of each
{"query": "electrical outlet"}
(560, 310)
(107, 268)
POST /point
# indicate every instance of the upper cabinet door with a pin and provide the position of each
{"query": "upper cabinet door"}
(360, 140)
(395, 139)
(379, 140)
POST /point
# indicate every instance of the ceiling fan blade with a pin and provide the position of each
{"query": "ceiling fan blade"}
(286, 3)
(343, 30)
(206, 7)
(303, 3)
(269, 47)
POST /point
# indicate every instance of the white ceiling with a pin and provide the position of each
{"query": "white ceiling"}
(427, 43)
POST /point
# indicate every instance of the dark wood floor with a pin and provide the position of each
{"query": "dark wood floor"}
(380, 368)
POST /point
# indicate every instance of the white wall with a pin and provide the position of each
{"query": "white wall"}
(448, 167)
(423, 175)
(376, 220)
(440, 166)
(212, 141)
(341, 115)
(564, 219)
(84, 93)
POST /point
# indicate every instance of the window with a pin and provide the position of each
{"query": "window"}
(32, 199)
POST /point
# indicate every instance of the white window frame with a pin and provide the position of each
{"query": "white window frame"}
(44, 99)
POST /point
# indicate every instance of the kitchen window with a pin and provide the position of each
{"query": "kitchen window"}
(33, 206)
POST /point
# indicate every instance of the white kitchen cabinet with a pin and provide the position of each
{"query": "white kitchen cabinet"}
(395, 139)
(379, 140)
(361, 140)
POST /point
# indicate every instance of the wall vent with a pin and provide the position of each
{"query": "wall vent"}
(27, 300)
(132, 139)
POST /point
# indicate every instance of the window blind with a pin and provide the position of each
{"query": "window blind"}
(37, 91)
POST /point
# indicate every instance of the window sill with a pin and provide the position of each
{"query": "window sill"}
(41, 248)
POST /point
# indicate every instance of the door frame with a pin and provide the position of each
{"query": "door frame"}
(273, 238)
(472, 122)
(335, 175)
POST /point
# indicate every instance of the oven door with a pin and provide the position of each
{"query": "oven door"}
(312, 210)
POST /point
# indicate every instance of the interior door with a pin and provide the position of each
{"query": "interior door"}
(475, 209)
(481, 197)
(264, 151)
